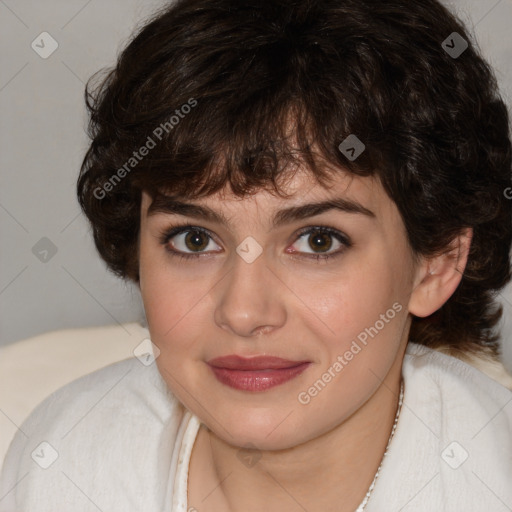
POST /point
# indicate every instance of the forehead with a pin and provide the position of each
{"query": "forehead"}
(346, 191)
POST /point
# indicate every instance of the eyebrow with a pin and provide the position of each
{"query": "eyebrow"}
(172, 205)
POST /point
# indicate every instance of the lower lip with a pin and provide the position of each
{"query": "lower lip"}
(257, 380)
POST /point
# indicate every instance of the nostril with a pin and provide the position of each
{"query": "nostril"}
(262, 330)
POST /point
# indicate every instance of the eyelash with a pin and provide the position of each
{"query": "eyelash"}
(169, 233)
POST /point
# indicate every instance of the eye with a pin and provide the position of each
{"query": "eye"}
(321, 238)
(186, 238)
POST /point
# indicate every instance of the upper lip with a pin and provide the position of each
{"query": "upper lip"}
(234, 362)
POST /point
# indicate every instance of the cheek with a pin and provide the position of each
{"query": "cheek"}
(176, 304)
(164, 295)
(170, 305)
(360, 315)
(352, 298)
(171, 309)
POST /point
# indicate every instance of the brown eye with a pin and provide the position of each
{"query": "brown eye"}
(188, 241)
(196, 240)
(317, 242)
(320, 240)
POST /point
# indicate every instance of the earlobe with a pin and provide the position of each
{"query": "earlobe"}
(437, 278)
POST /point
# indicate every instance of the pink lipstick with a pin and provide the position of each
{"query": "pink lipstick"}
(257, 373)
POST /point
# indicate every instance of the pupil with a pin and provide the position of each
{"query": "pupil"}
(322, 237)
(195, 238)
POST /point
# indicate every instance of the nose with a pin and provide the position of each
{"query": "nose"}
(250, 300)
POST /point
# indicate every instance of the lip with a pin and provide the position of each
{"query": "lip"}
(234, 362)
(257, 373)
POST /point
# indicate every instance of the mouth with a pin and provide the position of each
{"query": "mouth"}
(255, 374)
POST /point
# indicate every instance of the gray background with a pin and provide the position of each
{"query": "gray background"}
(42, 143)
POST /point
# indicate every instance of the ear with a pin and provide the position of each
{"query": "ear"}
(437, 278)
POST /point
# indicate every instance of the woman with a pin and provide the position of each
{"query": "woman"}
(310, 196)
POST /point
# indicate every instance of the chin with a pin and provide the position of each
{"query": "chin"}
(260, 430)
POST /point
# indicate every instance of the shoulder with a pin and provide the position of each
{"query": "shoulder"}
(456, 394)
(451, 375)
(458, 426)
(120, 416)
(453, 442)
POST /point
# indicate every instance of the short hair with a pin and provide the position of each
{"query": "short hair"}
(237, 91)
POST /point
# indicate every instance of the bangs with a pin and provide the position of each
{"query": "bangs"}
(252, 142)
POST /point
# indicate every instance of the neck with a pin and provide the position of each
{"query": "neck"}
(331, 472)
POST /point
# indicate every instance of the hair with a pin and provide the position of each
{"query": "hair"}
(236, 92)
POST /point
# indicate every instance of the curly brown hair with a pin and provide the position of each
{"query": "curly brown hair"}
(205, 91)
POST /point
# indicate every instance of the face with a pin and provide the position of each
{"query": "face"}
(328, 288)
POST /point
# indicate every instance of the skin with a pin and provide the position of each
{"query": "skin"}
(321, 456)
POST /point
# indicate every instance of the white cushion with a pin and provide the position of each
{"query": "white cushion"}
(34, 368)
